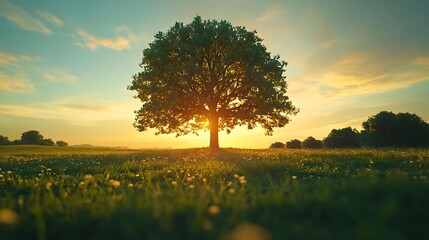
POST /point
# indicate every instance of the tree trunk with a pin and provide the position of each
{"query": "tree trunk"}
(214, 132)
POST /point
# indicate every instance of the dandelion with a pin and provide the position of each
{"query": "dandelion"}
(1, 176)
(8, 216)
(174, 183)
(88, 177)
(204, 180)
(9, 172)
(294, 177)
(231, 190)
(242, 178)
(192, 186)
(189, 179)
(81, 184)
(214, 209)
(130, 185)
(236, 175)
(115, 183)
(244, 181)
(48, 186)
(137, 175)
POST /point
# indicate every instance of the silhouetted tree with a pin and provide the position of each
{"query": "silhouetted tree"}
(47, 142)
(32, 137)
(342, 138)
(293, 144)
(210, 75)
(277, 145)
(62, 144)
(387, 129)
(311, 142)
(4, 140)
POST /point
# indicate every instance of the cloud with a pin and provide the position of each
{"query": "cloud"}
(268, 15)
(21, 18)
(15, 84)
(59, 75)
(360, 73)
(73, 111)
(7, 58)
(49, 17)
(93, 43)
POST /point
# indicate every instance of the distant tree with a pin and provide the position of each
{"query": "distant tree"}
(62, 144)
(277, 145)
(293, 144)
(210, 75)
(32, 137)
(16, 142)
(311, 142)
(4, 140)
(47, 142)
(342, 138)
(387, 129)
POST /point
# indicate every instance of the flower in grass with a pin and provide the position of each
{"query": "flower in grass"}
(8, 216)
(130, 185)
(48, 186)
(115, 183)
(88, 177)
(294, 177)
(214, 209)
(174, 183)
(231, 190)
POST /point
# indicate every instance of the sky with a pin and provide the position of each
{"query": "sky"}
(65, 65)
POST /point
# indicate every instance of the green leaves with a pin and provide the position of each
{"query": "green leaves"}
(210, 68)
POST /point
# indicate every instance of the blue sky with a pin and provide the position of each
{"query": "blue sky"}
(65, 66)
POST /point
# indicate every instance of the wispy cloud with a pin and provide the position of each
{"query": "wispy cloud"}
(268, 15)
(49, 17)
(59, 75)
(72, 111)
(93, 43)
(7, 58)
(15, 84)
(21, 18)
(125, 40)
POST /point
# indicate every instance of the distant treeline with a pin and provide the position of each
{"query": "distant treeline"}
(32, 137)
(385, 129)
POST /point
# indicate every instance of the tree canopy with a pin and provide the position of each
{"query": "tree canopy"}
(387, 129)
(311, 143)
(210, 75)
(342, 138)
(295, 144)
(277, 145)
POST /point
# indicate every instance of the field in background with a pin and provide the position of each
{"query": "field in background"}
(72, 193)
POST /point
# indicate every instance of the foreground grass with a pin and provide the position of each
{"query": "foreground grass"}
(52, 193)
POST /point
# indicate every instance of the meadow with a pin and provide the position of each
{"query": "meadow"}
(74, 193)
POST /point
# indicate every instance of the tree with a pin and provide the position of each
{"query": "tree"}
(47, 142)
(311, 142)
(4, 140)
(387, 129)
(293, 144)
(31, 137)
(210, 75)
(342, 138)
(62, 144)
(277, 145)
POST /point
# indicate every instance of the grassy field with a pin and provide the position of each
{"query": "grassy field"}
(72, 193)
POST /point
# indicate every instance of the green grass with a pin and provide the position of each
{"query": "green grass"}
(72, 193)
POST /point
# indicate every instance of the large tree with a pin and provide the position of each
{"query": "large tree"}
(32, 137)
(210, 74)
(387, 129)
